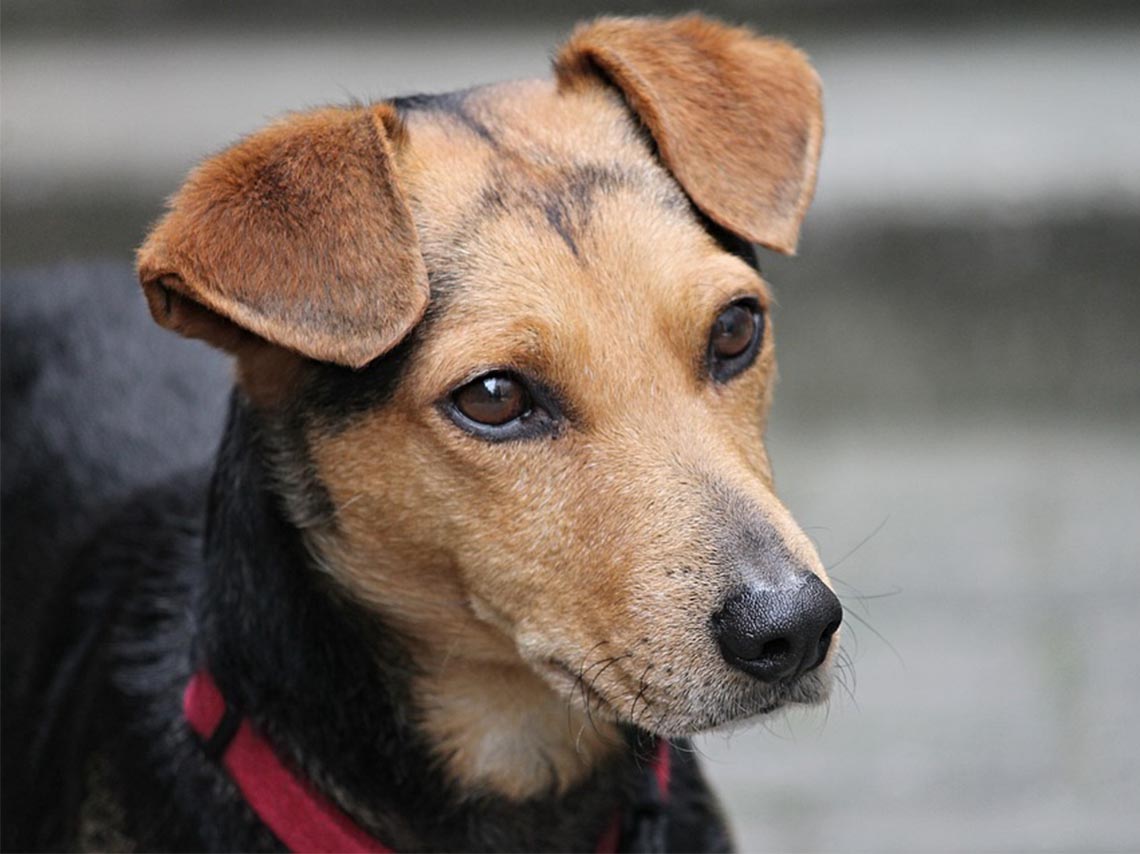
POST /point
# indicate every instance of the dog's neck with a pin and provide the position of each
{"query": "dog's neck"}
(332, 686)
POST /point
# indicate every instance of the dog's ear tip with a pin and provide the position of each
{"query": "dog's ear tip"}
(786, 246)
(783, 241)
(736, 117)
(789, 250)
(357, 351)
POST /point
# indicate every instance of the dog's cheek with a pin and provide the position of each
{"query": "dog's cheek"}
(602, 574)
(387, 539)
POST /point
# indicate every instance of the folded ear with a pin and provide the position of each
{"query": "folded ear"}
(300, 235)
(736, 117)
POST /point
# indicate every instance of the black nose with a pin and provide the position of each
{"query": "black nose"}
(778, 634)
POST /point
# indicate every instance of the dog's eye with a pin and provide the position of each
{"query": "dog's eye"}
(493, 399)
(732, 332)
(502, 406)
(735, 339)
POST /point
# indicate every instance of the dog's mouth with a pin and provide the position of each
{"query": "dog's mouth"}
(669, 709)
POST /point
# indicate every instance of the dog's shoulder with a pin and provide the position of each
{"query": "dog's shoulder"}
(108, 761)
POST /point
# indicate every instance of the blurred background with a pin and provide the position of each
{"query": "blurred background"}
(957, 421)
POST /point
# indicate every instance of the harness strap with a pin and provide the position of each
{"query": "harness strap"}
(305, 821)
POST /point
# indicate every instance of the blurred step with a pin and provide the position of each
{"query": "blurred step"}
(1014, 115)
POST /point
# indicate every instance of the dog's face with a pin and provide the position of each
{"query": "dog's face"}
(556, 485)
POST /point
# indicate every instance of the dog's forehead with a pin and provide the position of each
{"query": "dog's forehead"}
(524, 181)
(527, 155)
(529, 124)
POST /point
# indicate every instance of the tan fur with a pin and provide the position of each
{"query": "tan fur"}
(557, 586)
(736, 118)
(300, 235)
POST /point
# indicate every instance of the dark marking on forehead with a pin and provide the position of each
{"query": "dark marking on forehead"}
(453, 104)
(443, 282)
(563, 196)
(491, 202)
(558, 215)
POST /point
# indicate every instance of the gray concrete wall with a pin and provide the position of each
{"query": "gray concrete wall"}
(956, 423)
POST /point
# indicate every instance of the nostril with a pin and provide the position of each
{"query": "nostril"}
(824, 643)
(775, 648)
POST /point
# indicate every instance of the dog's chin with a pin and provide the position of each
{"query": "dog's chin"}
(736, 709)
(738, 705)
(667, 712)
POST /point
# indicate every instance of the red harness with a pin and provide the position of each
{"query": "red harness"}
(298, 815)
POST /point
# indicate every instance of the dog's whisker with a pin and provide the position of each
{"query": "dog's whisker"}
(846, 665)
(642, 686)
(347, 503)
(860, 544)
(609, 663)
(857, 598)
(866, 597)
(578, 739)
(688, 747)
(879, 635)
(580, 680)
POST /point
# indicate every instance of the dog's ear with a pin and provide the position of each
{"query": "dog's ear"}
(300, 235)
(736, 118)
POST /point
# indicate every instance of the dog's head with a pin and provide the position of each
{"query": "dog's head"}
(515, 359)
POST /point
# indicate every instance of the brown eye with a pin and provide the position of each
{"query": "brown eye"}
(733, 330)
(735, 339)
(493, 399)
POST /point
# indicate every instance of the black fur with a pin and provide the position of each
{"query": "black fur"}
(168, 571)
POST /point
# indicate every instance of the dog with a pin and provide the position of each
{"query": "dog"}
(491, 531)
